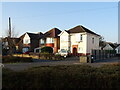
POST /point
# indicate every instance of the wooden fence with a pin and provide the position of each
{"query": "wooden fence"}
(103, 54)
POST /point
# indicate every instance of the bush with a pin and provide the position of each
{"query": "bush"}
(47, 50)
(11, 59)
(57, 77)
(4, 52)
(50, 56)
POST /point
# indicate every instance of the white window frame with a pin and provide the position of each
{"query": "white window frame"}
(50, 40)
(42, 41)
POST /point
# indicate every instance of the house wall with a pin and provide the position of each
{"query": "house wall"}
(26, 39)
(56, 44)
(90, 45)
(34, 44)
(64, 41)
(51, 42)
(81, 44)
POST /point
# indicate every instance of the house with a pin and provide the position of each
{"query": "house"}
(29, 41)
(51, 39)
(9, 44)
(118, 49)
(79, 40)
(108, 46)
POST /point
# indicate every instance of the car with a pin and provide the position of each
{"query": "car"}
(63, 52)
(26, 52)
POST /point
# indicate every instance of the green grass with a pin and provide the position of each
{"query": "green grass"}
(56, 77)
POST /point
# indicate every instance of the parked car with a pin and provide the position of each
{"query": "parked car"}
(63, 52)
(26, 52)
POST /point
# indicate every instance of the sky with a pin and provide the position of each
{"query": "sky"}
(100, 17)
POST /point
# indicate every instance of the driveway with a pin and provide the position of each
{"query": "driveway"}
(68, 61)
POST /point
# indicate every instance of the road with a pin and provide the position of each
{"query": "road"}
(68, 61)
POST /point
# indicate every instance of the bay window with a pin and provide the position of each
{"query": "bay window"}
(50, 40)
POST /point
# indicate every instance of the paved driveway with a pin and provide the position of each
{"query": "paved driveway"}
(68, 61)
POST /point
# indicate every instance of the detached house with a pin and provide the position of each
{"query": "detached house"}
(79, 40)
(30, 41)
(51, 39)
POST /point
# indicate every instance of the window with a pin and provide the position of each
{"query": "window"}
(81, 37)
(50, 40)
(93, 40)
(26, 41)
(42, 41)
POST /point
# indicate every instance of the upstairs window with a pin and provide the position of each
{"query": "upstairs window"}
(93, 40)
(26, 41)
(42, 41)
(81, 37)
(50, 40)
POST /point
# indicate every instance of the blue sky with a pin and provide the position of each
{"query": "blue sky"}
(100, 17)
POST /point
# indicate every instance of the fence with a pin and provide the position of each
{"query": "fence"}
(103, 54)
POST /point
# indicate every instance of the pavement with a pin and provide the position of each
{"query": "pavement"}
(67, 61)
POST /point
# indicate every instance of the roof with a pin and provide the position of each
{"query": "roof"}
(13, 39)
(113, 45)
(52, 33)
(35, 36)
(80, 29)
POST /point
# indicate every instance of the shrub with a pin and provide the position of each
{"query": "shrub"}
(47, 50)
(50, 56)
(11, 59)
(63, 76)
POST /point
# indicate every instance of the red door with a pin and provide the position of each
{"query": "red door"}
(75, 51)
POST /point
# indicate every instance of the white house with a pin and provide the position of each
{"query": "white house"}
(118, 49)
(108, 47)
(79, 40)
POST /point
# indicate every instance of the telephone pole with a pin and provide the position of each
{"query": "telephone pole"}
(9, 27)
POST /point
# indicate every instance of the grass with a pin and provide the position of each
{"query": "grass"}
(57, 77)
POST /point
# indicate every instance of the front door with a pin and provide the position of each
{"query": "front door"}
(74, 51)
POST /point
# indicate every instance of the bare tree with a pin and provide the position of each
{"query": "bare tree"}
(10, 38)
(14, 34)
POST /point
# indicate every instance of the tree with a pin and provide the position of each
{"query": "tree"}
(10, 39)
(102, 42)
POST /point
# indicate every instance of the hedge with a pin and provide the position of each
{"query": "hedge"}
(47, 50)
(58, 77)
(11, 59)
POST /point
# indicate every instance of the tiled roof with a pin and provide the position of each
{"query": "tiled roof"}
(52, 33)
(35, 36)
(80, 29)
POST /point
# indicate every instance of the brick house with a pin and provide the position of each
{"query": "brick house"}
(29, 41)
(51, 39)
